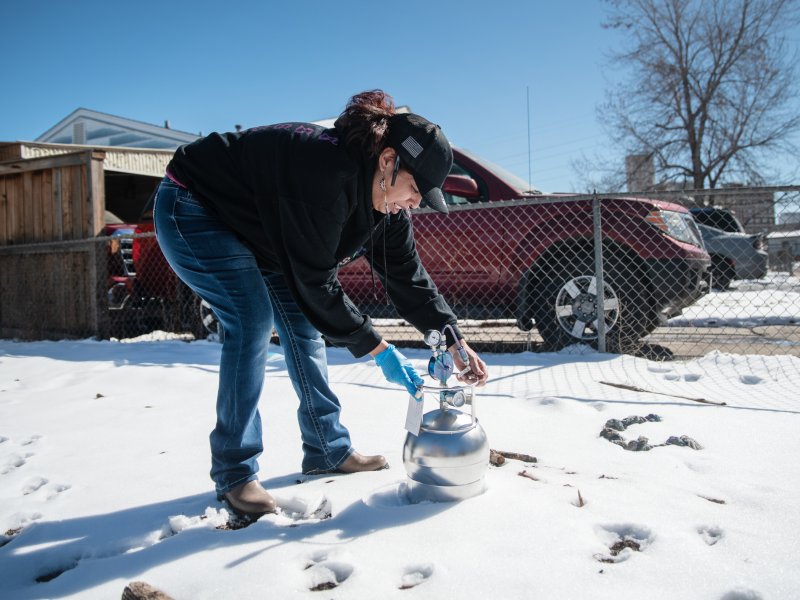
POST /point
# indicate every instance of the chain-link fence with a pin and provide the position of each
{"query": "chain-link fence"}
(145, 295)
(536, 274)
(524, 274)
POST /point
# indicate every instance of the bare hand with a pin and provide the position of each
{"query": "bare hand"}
(477, 374)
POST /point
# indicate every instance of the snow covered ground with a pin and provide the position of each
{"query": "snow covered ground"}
(772, 300)
(104, 460)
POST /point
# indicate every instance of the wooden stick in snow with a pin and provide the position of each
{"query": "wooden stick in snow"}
(634, 388)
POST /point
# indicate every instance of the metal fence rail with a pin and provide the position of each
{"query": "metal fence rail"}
(630, 273)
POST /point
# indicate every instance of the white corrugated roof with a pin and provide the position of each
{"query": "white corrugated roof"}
(96, 128)
(137, 161)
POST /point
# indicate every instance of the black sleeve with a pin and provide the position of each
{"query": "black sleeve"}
(407, 282)
(307, 237)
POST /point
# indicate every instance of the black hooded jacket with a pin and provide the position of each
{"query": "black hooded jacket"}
(302, 202)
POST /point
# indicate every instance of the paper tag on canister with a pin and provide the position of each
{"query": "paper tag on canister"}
(414, 415)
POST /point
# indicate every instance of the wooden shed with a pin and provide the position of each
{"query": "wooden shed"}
(54, 203)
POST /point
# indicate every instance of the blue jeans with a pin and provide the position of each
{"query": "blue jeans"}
(209, 257)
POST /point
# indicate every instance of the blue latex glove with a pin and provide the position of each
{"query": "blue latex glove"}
(397, 369)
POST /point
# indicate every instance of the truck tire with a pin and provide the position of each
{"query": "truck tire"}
(565, 305)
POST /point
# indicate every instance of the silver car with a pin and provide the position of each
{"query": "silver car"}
(734, 255)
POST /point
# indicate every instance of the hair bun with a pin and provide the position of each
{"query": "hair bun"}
(365, 119)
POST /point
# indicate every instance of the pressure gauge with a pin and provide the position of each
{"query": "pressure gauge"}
(433, 338)
(455, 398)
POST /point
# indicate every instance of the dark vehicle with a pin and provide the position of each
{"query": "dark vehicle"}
(505, 251)
(719, 218)
(734, 256)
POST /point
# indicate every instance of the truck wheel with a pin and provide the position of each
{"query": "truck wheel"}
(722, 272)
(565, 306)
(209, 320)
(205, 324)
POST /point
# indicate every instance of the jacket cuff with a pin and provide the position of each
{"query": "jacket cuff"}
(364, 344)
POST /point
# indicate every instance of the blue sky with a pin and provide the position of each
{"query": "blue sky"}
(207, 66)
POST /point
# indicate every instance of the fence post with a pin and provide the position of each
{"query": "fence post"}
(598, 273)
(97, 287)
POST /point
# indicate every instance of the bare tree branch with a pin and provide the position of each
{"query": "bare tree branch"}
(710, 91)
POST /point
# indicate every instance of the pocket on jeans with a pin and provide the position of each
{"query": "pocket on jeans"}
(187, 205)
(186, 202)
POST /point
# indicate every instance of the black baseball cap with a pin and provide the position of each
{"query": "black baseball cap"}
(425, 151)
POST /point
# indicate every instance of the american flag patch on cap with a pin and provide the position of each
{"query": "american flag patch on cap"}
(412, 146)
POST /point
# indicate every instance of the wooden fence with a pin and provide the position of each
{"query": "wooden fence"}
(53, 198)
(52, 273)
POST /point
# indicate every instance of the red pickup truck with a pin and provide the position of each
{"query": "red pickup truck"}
(505, 251)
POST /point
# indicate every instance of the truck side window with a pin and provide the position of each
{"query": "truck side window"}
(453, 200)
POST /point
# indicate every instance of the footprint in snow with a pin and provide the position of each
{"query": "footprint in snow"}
(55, 489)
(31, 440)
(548, 400)
(57, 569)
(324, 573)
(20, 521)
(9, 535)
(742, 594)
(750, 379)
(710, 535)
(413, 575)
(50, 573)
(622, 541)
(654, 369)
(12, 462)
(33, 484)
(689, 377)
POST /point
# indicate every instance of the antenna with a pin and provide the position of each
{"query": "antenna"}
(528, 97)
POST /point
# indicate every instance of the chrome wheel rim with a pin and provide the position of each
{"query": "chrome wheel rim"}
(577, 307)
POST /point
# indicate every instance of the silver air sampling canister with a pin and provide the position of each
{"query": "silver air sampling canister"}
(448, 460)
